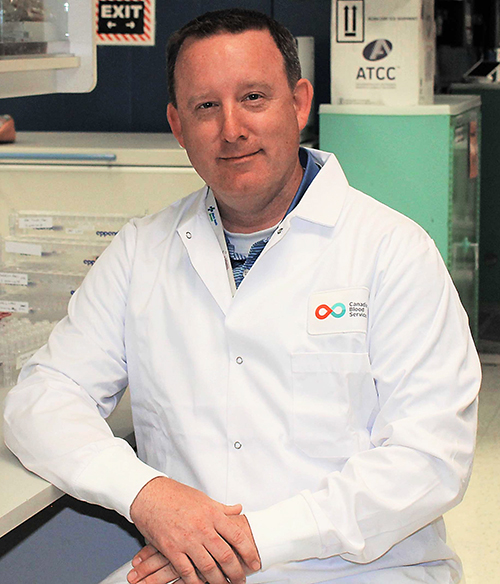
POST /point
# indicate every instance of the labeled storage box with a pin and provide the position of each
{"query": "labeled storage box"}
(382, 52)
(66, 225)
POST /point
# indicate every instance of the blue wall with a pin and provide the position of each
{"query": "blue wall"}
(131, 92)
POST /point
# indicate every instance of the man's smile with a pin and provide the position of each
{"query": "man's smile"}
(240, 158)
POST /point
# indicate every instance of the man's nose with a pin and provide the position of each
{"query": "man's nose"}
(233, 126)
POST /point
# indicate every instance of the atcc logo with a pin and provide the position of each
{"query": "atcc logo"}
(323, 311)
(377, 50)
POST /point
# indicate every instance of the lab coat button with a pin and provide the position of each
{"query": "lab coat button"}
(188, 234)
(239, 360)
(245, 271)
(237, 445)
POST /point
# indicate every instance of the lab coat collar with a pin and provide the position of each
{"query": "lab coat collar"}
(325, 197)
(204, 250)
(321, 203)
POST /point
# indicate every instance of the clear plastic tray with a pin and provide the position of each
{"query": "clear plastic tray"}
(36, 295)
(59, 225)
(19, 340)
(45, 254)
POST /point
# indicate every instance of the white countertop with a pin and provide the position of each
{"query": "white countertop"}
(22, 493)
(126, 149)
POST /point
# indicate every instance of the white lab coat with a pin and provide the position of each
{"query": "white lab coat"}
(344, 437)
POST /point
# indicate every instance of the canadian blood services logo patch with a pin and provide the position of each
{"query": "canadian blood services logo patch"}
(338, 311)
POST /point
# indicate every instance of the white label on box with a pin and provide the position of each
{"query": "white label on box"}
(24, 358)
(36, 223)
(23, 248)
(13, 306)
(13, 279)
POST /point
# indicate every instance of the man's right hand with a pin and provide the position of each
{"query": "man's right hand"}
(194, 532)
(149, 566)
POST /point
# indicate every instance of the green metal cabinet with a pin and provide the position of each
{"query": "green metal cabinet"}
(424, 162)
(489, 264)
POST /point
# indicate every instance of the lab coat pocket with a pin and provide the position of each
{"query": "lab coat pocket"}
(333, 394)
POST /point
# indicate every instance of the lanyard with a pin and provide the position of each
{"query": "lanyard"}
(216, 223)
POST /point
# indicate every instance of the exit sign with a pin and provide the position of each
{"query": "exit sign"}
(125, 22)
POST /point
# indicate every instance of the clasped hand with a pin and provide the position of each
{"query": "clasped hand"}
(192, 537)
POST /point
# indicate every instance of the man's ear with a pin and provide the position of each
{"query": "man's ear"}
(302, 97)
(175, 123)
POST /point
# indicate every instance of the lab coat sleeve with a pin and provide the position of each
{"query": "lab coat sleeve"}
(427, 376)
(54, 419)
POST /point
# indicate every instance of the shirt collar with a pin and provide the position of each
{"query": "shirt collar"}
(311, 169)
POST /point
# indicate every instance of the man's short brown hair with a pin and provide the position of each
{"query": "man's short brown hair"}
(233, 20)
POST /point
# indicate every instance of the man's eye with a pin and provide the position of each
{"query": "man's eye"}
(206, 105)
(253, 97)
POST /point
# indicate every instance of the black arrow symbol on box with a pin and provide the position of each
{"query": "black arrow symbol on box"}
(346, 21)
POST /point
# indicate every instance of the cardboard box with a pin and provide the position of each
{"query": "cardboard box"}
(383, 52)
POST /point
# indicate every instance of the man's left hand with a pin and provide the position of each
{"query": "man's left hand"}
(151, 567)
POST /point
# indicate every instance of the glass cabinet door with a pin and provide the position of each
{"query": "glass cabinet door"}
(33, 27)
(46, 46)
(464, 224)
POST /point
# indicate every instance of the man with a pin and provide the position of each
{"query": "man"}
(291, 346)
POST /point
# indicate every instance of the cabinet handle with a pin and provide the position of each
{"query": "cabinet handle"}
(57, 156)
(475, 247)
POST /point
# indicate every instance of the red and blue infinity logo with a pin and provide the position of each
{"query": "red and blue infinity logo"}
(323, 311)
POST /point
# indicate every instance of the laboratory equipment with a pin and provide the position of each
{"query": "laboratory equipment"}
(424, 162)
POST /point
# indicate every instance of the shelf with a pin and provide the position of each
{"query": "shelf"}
(38, 63)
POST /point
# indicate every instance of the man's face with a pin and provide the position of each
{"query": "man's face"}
(237, 116)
